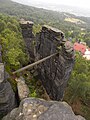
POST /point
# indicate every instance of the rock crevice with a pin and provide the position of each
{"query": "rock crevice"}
(54, 72)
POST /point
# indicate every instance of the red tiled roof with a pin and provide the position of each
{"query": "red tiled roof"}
(80, 47)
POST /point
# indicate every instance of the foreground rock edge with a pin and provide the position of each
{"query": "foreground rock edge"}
(38, 109)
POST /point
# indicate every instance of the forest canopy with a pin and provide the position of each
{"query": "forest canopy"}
(14, 53)
(13, 50)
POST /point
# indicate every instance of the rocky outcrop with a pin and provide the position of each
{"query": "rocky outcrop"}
(54, 72)
(27, 27)
(23, 90)
(36, 109)
(7, 96)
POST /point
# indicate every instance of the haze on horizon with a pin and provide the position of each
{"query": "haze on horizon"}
(78, 7)
(76, 3)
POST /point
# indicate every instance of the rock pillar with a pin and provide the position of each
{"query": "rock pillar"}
(26, 27)
(55, 72)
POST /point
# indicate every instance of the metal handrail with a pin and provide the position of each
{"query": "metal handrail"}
(35, 63)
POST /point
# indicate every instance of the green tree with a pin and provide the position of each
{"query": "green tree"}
(13, 49)
(79, 84)
(2, 25)
(36, 29)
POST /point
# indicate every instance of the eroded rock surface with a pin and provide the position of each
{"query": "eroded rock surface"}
(27, 27)
(23, 90)
(7, 96)
(36, 109)
(55, 71)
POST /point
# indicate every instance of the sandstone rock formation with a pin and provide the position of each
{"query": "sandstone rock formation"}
(54, 74)
(36, 109)
(55, 71)
(7, 96)
(26, 27)
(23, 90)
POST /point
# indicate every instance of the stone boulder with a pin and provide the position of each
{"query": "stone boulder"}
(37, 109)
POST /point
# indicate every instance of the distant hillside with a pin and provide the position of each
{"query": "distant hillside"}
(68, 23)
(37, 15)
(19, 10)
(57, 6)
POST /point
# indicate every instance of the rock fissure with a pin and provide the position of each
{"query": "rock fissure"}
(54, 74)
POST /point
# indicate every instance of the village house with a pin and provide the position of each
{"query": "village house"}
(83, 49)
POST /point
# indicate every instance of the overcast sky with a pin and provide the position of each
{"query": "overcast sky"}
(78, 3)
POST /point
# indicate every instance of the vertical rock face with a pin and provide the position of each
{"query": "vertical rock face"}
(7, 97)
(28, 36)
(54, 72)
(26, 28)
